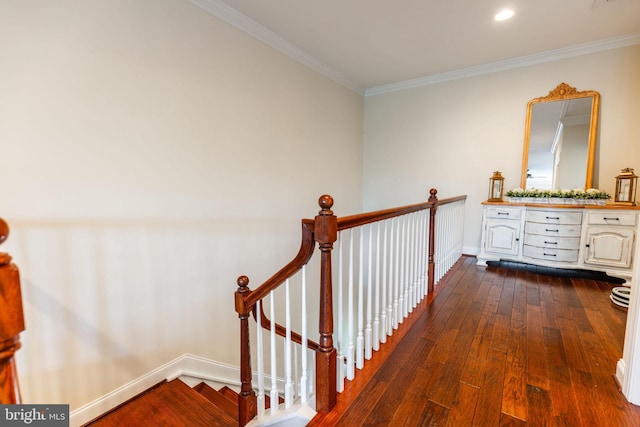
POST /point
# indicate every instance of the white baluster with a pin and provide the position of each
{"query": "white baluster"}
(350, 308)
(397, 290)
(274, 372)
(402, 312)
(383, 302)
(391, 283)
(424, 257)
(360, 337)
(340, 371)
(376, 318)
(368, 345)
(411, 261)
(260, 353)
(304, 396)
(288, 385)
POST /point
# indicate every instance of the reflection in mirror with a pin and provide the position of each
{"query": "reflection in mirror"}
(560, 140)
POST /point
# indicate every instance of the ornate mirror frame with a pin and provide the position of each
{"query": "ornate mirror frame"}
(564, 92)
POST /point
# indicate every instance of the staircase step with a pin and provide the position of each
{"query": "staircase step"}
(229, 394)
(218, 399)
(169, 404)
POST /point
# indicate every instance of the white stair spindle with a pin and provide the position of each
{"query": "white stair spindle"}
(391, 282)
(274, 373)
(340, 365)
(360, 336)
(383, 302)
(288, 385)
(376, 317)
(260, 353)
(396, 286)
(350, 309)
(368, 345)
(304, 392)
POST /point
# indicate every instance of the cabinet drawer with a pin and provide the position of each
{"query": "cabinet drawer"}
(555, 217)
(553, 230)
(612, 218)
(504, 213)
(555, 255)
(552, 242)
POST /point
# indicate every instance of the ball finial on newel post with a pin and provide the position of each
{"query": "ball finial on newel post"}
(243, 284)
(326, 203)
(432, 195)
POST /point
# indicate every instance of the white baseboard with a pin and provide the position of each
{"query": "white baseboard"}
(187, 367)
(470, 250)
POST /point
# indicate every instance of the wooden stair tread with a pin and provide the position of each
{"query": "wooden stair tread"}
(218, 399)
(171, 404)
(229, 394)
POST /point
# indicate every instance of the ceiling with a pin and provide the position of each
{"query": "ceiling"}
(370, 45)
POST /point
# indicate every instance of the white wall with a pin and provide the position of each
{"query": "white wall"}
(453, 135)
(151, 155)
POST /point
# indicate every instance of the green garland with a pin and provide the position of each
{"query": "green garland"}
(578, 193)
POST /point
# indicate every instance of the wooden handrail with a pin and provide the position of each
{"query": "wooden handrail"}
(303, 256)
(11, 324)
(358, 220)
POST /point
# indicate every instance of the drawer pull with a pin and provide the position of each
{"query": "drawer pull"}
(550, 243)
(546, 254)
(506, 213)
(555, 231)
(611, 219)
(553, 217)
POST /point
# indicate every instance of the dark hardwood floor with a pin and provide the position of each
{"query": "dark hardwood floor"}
(496, 347)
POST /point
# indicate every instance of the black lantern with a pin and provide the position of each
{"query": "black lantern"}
(496, 187)
(626, 186)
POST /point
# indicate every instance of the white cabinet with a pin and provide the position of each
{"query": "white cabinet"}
(502, 232)
(590, 237)
(609, 239)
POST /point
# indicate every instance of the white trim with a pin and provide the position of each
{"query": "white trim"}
(522, 61)
(193, 367)
(268, 37)
(470, 250)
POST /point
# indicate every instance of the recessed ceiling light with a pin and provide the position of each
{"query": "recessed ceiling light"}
(504, 15)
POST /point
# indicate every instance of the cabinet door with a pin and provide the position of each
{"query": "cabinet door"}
(608, 246)
(503, 237)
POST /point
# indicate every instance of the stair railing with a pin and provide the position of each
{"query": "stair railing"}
(11, 323)
(397, 255)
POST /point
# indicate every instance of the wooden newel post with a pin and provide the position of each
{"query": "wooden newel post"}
(11, 324)
(247, 401)
(326, 233)
(432, 238)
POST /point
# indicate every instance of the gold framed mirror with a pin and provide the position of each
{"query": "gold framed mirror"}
(560, 139)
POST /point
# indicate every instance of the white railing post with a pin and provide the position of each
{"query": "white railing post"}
(376, 319)
(368, 346)
(304, 392)
(260, 362)
(360, 336)
(340, 356)
(274, 369)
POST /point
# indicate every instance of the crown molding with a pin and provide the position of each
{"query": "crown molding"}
(231, 16)
(509, 64)
(268, 37)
